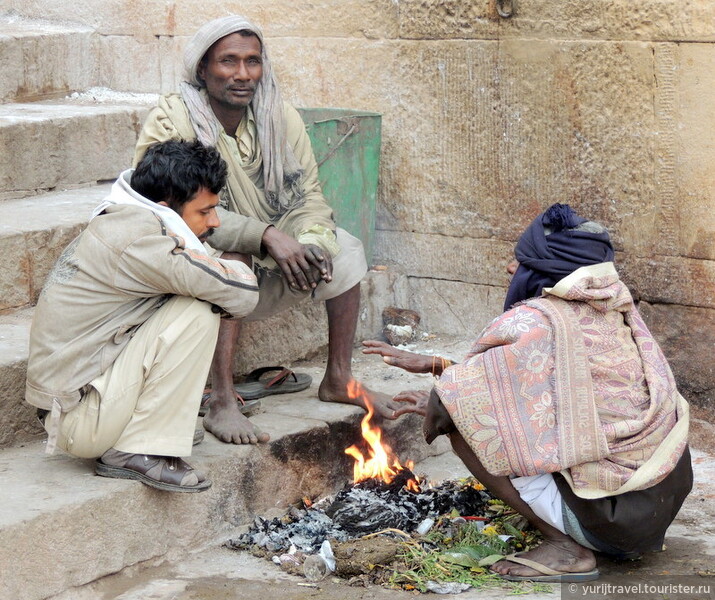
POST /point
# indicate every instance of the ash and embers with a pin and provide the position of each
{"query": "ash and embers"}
(361, 509)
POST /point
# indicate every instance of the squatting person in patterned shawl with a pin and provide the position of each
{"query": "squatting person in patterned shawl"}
(275, 216)
(565, 407)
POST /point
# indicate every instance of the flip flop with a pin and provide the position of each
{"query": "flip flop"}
(246, 408)
(548, 575)
(285, 382)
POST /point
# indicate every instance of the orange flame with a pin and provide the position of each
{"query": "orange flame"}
(381, 462)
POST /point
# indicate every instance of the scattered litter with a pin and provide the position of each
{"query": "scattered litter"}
(326, 553)
(315, 567)
(425, 526)
(400, 324)
(398, 334)
(441, 539)
(447, 588)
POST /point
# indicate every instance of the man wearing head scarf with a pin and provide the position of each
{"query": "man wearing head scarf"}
(275, 216)
(565, 407)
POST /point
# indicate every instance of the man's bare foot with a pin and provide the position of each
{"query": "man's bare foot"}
(225, 421)
(560, 555)
(383, 405)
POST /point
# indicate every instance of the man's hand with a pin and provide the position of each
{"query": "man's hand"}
(303, 265)
(409, 361)
(415, 401)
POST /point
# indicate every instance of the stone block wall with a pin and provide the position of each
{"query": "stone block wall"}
(486, 121)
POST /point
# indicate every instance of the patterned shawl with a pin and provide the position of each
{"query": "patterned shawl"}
(574, 383)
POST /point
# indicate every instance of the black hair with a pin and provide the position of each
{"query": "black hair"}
(175, 171)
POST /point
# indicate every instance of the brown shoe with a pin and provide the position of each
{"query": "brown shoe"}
(167, 473)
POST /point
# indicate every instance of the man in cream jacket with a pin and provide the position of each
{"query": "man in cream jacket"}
(125, 327)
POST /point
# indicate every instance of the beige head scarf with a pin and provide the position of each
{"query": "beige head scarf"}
(281, 170)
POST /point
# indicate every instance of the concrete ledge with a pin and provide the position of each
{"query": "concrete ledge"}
(50, 145)
(61, 526)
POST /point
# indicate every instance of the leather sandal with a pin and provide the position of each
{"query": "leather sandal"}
(171, 472)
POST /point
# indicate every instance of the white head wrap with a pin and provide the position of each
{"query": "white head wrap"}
(281, 169)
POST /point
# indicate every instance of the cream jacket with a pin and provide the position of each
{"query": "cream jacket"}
(107, 282)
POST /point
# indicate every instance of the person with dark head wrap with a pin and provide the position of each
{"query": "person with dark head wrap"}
(273, 213)
(565, 407)
(556, 243)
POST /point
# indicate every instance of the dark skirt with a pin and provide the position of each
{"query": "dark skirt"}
(633, 522)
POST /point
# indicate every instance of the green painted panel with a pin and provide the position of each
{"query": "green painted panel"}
(346, 144)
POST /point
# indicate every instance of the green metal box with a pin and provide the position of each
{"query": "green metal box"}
(346, 144)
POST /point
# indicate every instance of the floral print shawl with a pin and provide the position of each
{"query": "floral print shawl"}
(571, 382)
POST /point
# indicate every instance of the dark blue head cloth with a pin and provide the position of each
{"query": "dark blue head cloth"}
(556, 243)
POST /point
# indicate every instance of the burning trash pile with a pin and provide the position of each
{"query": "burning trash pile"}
(388, 524)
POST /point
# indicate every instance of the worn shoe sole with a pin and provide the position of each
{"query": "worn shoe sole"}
(122, 473)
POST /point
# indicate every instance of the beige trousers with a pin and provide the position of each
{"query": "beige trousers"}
(148, 400)
(275, 295)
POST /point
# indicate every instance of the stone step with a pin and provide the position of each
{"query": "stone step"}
(42, 59)
(33, 232)
(19, 423)
(61, 526)
(46, 145)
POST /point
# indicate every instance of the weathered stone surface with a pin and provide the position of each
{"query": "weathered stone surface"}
(18, 423)
(338, 18)
(35, 231)
(670, 280)
(515, 126)
(446, 258)
(40, 59)
(91, 526)
(694, 153)
(145, 64)
(687, 336)
(50, 145)
(455, 308)
(15, 282)
(569, 19)
(86, 520)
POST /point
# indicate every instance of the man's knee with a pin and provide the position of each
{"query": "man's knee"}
(437, 420)
(349, 267)
(191, 321)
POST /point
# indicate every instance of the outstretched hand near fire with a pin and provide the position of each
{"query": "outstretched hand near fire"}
(409, 361)
(414, 401)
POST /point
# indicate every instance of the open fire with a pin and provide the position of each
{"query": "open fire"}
(384, 496)
(381, 463)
